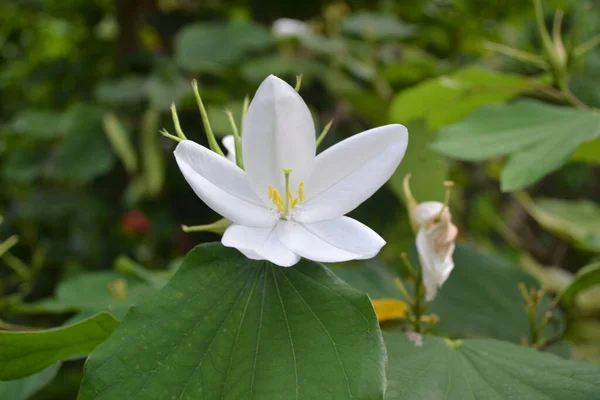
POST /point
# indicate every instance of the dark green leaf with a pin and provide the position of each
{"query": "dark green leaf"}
(85, 152)
(94, 292)
(584, 279)
(21, 389)
(226, 327)
(24, 353)
(197, 47)
(39, 124)
(483, 369)
(480, 299)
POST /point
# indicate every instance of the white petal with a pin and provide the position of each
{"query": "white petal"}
(229, 144)
(436, 267)
(279, 134)
(222, 185)
(259, 244)
(337, 240)
(350, 172)
(425, 212)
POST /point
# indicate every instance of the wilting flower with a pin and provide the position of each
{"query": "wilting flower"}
(287, 203)
(284, 28)
(435, 244)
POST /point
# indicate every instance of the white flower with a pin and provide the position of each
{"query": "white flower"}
(435, 244)
(284, 28)
(288, 203)
(229, 144)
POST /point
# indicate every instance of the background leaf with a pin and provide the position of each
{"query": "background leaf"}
(21, 389)
(197, 50)
(585, 278)
(540, 137)
(483, 369)
(228, 327)
(428, 168)
(478, 282)
(24, 353)
(447, 99)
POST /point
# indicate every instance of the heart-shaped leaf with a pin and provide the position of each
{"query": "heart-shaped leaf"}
(226, 327)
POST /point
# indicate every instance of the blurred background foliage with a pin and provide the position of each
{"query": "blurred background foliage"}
(92, 190)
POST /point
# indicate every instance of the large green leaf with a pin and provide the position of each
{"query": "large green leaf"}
(539, 137)
(483, 369)
(197, 50)
(24, 353)
(585, 278)
(21, 389)
(428, 168)
(447, 99)
(226, 327)
(480, 299)
(577, 220)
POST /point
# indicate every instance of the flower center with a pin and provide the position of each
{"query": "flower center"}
(286, 205)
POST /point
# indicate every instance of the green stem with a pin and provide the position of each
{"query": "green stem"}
(236, 140)
(212, 141)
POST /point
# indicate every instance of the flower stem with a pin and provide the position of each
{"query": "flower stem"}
(237, 140)
(175, 117)
(324, 132)
(212, 142)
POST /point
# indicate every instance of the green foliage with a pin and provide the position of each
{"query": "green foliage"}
(539, 138)
(585, 278)
(94, 292)
(197, 50)
(21, 389)
(447, 99)
(376, 26)
(428, 168)
(478, 279)
(577, 220)
(483, 368)
(226, 327)
(25, 353)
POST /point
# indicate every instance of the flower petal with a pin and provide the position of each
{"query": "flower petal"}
(336, 240)
(222, 185)
(229, 144)
(427, 211)
(259, 244)
(436, 266)
(350, 172)
(279, 134)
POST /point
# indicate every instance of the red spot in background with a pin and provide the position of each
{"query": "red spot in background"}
(135, 222)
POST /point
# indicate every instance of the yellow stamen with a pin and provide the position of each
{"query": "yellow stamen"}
(294, 202)
(301, 191)
(271, 192)
(290, 197)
